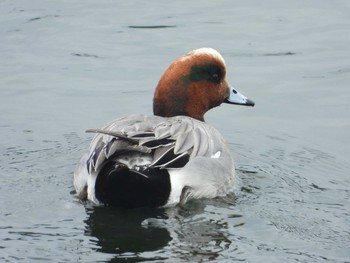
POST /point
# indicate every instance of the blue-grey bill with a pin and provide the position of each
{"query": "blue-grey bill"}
(237, 98)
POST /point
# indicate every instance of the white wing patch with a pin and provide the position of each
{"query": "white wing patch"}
(216, 155)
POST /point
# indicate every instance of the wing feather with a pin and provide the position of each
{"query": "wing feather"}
(169, 142)
(184, 143)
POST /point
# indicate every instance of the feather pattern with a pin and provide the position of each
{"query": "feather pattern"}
(151, 141)
(171, 136)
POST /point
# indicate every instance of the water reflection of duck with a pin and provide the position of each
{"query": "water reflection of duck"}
(169, 158)
(121, 231)
(192, 233)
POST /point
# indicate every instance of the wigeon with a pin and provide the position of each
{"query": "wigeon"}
(171, 157)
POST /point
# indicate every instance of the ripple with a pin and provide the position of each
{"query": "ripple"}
(42, 17)
(86, 55)
(278, 54)
(298, 192)
(152, 27)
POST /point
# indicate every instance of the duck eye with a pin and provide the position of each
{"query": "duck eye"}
(215, 77)
(214, 74)
(208, 72)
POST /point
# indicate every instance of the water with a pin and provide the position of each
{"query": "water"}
(66, 66)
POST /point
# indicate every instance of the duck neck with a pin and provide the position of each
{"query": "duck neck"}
(175, 102)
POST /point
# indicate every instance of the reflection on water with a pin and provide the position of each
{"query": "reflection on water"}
(120, 231)
(184, 232)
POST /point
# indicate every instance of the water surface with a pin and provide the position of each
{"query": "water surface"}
(66, 66)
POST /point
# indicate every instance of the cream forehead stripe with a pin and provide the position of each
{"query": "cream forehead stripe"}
(206, 51)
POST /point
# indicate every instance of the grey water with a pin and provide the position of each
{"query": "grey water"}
(66, 66)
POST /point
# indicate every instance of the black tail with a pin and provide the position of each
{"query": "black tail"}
(117, 185)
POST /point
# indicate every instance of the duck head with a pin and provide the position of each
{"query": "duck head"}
(193, 84)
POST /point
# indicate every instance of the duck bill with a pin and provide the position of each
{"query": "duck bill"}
(237, 98)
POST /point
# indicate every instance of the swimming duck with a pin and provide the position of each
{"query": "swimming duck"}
(172, 156)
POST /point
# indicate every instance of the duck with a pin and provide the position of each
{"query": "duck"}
(172, 156)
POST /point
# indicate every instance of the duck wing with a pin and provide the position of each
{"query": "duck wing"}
(166, 142)
(142, 145)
